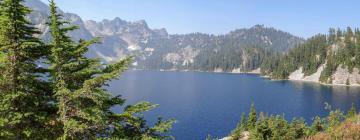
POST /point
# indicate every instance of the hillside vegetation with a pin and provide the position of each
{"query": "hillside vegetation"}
(338, 125)
(326, 54)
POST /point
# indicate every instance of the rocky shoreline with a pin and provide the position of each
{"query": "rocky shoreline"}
(298, 75)
(342, 77)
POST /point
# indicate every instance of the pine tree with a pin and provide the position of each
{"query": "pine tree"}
(243, 122)
(252, 117)
(332, 35)
(339, 35)
(78, 82)
(352, 111)
(357, 48)
(25, 110)
(317, 126)
(83, 103)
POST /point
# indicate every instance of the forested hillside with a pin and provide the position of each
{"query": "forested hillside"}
(156, 49)
(332, 59)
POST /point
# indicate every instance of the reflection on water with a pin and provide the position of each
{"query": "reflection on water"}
(208, 103)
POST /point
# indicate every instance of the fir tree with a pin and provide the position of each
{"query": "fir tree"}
(339, 35)
(252, 117)
(317, 126)
(332, 35)
(83, 103)
(26, 108)
(352, 111)
(243, 122)
(78, 82)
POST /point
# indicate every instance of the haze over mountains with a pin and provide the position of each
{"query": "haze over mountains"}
(240, 50)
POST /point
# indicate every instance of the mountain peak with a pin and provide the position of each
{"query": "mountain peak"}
(259, 26)
(37, 5)
(142, 22)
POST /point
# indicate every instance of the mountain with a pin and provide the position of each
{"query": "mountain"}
(242, 49)
(328, 59)
(237, 51)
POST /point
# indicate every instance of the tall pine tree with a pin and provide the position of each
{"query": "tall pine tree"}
(78, 82)
(25, 106)
(252, 117)
(83, 103)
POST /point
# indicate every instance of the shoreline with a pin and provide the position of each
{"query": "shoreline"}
(253, 73)
(315, 82)
(162, 70)
(324, 84)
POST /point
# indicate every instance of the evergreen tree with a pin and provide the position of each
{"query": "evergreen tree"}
(78, 82)
(317, 126)
(339, 35)
(252, 117)
(243, 122)
(240, 128)
(83, 103)
(332, 35)
(25, 105)
(357, 48)
(352, 111)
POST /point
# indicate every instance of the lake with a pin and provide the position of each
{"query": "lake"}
(212, 103)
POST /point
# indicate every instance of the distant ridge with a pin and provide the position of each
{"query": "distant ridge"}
(238, 51)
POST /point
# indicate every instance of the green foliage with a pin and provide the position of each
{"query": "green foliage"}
(83, 103)
(241, 127)
(275, 127)
(252, 117)
(308, 56)
(317, 126)
(244, 48)
(352, 111)
(25, 112)
(229, 58)
(338, 48)
(66, 99)
(131, 124)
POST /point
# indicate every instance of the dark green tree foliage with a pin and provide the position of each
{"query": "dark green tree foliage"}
(244, 48)
(317, 126)
(131, 124)
(338, 48)
(308, 56)
(229, 58)
(357, 48)
(24, 97)
(276, 127)
(241, 127)
(252, 117)
(352, 112)
(83, 103)
(77, 82)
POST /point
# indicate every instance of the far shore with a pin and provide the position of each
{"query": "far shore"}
(251, 72)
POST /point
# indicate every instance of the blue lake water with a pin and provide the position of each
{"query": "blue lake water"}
(212, 103)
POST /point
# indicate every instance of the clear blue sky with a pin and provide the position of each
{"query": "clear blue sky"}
(300, 17)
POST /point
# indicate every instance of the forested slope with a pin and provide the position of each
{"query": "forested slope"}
(331, 59)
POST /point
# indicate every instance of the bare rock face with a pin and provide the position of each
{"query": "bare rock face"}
(343, 76)
(300, 76)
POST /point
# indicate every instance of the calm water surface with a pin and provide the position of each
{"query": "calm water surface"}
(209, 103)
